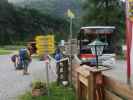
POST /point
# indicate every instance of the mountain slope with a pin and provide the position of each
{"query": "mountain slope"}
(54, 7)
(22, 24)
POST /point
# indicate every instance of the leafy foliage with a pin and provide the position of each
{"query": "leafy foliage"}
(56, 8)
(22, 24)
(38, 85)
(52, 7)
(56, 93)
(104, 12)
(4, 52)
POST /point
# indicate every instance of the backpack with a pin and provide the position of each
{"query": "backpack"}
(13, 58)
(58, 56)
(23, 54)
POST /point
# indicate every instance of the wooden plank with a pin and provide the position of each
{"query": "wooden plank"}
(119, 88)
(95, 69)
(83, 80)
(111, 96)
(83, 72)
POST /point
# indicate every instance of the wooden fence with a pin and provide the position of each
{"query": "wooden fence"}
(116, 90)
(113, 89)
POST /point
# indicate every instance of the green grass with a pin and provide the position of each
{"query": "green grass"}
(8, 49)
(56, 93)
(12, 47)
(4, 52)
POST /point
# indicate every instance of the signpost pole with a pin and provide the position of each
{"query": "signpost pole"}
(71, 22)
(47, 76)
(71, 50)
(45, 45)
(71, 15)
(46, 58)
(129, 23)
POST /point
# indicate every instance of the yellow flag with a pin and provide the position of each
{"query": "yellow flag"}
(70, 14)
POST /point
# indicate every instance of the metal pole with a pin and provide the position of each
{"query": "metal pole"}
(128, 44)
(96, 57)
(71, 49)
(71, 63)
(47, 76)
(71, 22)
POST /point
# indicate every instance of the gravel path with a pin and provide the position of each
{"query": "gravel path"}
(14, 83)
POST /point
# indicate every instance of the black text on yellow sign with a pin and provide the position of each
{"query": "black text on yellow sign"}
(45, 44)
(130, 9)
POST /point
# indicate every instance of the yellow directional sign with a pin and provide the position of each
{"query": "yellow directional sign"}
(45, 44)
(70, 14)
(130, 9)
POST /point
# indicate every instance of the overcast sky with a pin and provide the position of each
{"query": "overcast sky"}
(23, 0)
(15, 0)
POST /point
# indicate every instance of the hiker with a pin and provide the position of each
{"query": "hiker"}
(25, 59)
(30, 48)
(58, 55)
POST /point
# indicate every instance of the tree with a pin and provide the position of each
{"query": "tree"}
(105, 12)
(22, 24)
(102, 12)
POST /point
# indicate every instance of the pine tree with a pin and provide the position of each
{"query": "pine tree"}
(102, 12)
(106, 13)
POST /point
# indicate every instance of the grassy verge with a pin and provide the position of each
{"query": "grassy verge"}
(56, 93)
(8, 49)
(12, 47)
(4, 52)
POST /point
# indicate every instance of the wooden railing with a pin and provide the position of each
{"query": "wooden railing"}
(115, 90)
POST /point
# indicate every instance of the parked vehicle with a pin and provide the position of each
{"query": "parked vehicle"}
(88, 35)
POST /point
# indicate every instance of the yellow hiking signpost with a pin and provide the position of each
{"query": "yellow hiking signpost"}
(45, 44)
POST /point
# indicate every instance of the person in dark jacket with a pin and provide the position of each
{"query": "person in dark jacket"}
(25, 59)
(58, 55)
